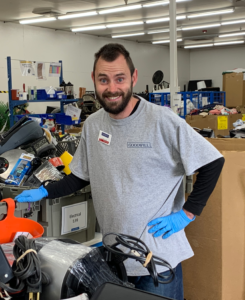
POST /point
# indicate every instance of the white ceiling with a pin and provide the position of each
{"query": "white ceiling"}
(15, 10)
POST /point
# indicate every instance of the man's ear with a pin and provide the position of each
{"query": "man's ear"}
(92, 76)
(135, 77)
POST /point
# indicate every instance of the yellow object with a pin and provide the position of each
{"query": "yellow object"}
(222, 123)
(243, 117)
(66, 158)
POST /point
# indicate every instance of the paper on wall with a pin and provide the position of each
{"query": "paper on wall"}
(54, 69)
(27, 68)
(40, 70)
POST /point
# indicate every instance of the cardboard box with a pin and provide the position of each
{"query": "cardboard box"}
(234, 86)
(217, 270)
(221, 125)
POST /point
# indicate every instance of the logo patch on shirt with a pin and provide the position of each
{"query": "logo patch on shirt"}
(104, 138)
(139, 145)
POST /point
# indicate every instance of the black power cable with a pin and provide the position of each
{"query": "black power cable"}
(140, 252)
(27, 270)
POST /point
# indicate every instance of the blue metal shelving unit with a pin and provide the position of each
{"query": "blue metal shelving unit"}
(195, 98)
(13, 103)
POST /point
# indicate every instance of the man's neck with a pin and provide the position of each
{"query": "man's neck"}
(127, 111)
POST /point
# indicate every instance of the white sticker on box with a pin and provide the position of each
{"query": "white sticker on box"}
(243, 76)
(74, 217)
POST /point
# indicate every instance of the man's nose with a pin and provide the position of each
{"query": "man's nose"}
(112, 87)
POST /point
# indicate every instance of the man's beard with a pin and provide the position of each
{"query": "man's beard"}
(115, 107)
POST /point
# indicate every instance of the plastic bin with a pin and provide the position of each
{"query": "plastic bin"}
(51, 216)
(22, 210)
(69, 146)
(41, 94)
(63, 119)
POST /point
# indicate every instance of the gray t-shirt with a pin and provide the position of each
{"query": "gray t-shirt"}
(135, 167)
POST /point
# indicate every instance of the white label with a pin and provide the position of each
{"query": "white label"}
(74, 217)
(28, 157)
(177, 100)
(243, 76)
(204, 101)
(73, 111)
(104, 138)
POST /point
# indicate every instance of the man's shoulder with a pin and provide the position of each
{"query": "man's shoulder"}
(95, 116)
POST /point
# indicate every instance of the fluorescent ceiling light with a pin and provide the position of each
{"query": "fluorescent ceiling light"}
(88, 28)
(158, 20)
(198, 46)
(123, 8)
(165, 41)
(211, 13)
(123, 35)
(228, 43)
(124, 24)
(160, 31)
(201, 26)
(233, 22)
(156, 3)
(164, 19)
(160, 3)
(70, 16)
(232, 34)
(37, 20)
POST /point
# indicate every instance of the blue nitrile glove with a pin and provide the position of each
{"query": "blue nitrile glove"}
(32, 195)
(170, 224)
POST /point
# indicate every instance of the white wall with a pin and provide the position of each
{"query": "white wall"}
(211, 63)
(77, 53)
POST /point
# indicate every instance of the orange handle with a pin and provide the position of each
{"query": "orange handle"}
(11, 207)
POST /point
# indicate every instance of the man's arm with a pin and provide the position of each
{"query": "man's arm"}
(68, 185)
(64, 187)
(206, 180)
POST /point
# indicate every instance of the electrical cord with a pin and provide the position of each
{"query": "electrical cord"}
(26, 268)
(140, 252)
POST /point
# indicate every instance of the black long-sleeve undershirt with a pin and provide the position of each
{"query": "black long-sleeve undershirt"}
(207, 178)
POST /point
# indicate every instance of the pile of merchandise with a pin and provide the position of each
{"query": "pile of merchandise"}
(214, 109)
(30, 155)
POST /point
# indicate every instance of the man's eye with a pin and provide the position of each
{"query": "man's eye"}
(120, 79)
(103, 80)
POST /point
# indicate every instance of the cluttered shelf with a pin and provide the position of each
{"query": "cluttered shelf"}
(19, 102)
(17, 98)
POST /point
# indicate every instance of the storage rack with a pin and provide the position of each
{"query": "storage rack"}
(13, 103)
(163, 99)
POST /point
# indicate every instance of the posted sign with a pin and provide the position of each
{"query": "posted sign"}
(74, 217)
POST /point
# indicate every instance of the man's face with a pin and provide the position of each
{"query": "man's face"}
(113, 84)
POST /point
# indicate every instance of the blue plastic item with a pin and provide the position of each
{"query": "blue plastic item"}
(41, 94)
(61, 96)
(190, 100)
(170, 224)
(63, 119)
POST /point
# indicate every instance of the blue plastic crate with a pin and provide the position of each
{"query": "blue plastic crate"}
(63, 119)
(41, 116)
(41, 94)
(162, 99)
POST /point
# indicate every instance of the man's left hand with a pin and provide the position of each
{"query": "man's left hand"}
(170, 224)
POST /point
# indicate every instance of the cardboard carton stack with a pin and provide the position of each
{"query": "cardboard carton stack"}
(234, 86)
(217, 271)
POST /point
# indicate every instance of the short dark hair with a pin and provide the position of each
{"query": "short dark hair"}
(110, 52)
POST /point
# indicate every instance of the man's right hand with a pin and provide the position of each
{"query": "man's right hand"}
(32, 195)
